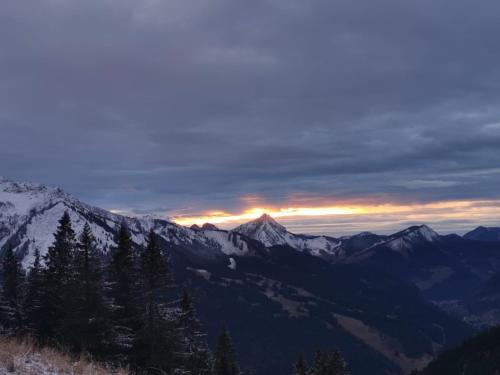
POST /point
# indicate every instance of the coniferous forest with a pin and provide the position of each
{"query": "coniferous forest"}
(119, 310)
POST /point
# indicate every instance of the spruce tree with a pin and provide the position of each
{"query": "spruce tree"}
(157, 342)
(196, 355)
(329, 363)
(34, 297)
(318, 367)
(300, 367)
(123, 291)
(57, 293)
(91, 324)
(225, 361)
(13, 283)
(156, 276)
(6, 315)
(338, 363)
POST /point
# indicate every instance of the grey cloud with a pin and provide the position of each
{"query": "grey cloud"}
(194, 104)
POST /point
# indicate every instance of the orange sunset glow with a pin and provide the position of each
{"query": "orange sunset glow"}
(479, 210)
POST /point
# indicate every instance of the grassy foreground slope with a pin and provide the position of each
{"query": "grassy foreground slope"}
(24, 358)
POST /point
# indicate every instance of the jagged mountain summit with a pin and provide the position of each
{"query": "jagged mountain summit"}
(270, 233)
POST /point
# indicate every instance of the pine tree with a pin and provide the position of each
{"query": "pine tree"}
(196, 355)
(123, 291)
(225, 361)
(90, 321)
(156, 276)
(6, 315)
(34, 296)
(157, 342)
(57, 294)
(13, 289)
(300, 367)
(338, 363)
(318, 367)
(329, 363)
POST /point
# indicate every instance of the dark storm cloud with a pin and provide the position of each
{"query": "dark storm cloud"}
(193, 104)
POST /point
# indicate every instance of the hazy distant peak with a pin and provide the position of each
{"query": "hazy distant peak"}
(209, 226)
(490, 234)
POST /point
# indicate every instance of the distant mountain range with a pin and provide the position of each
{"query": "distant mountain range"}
(484, 234)
(382, 299)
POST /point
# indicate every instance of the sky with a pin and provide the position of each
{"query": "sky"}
(335, 116)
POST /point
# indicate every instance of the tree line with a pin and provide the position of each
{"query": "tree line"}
(116, 312)
(325, 363)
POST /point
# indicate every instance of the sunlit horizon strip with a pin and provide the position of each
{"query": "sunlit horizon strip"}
(418, 211)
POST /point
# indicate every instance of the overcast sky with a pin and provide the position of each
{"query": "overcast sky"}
(177, 107)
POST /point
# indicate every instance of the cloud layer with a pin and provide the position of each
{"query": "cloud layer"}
(180, 106)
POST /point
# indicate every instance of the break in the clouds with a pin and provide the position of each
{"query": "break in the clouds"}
(192, 105)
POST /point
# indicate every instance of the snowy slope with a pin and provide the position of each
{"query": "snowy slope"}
(29, 214)
(406, 240)
(266, 230)
(403, 243)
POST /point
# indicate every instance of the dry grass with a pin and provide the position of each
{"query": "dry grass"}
(22, 357)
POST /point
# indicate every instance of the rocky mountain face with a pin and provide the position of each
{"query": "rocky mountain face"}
(282, 294)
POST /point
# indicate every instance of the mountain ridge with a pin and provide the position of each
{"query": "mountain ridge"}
(240, 281)
(29, 215)
(490, 234)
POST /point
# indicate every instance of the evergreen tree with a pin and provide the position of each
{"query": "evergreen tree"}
(329, 363)
(300, 367)
(90, 321)
(123, 290)
(6, 315)
(57, 293)
(196, 355)
(34, 296)
(338, 363)
(157, 343)
(156, 276)
(225, 361)
(12, 290)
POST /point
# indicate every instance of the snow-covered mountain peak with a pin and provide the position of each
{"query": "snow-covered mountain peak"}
(267, 230)
(18, 199)
(266, 218)
(421, 232)
(405, 240)
(264, 229)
